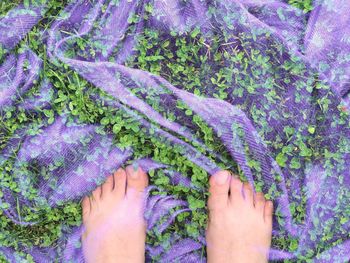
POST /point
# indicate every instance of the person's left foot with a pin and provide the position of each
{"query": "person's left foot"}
(114, 226)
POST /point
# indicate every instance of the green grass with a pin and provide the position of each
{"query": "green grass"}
(6, 6)
(182, 61)
(305, 5)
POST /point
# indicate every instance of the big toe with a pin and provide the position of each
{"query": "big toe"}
(236, 188)
(137, 179)
(219, 186)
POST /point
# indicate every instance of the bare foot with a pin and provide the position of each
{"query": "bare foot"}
(240, 227)
(115, 230)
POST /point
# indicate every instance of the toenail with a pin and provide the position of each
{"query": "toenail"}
(221, 178)
(135, 166)
(135, 174)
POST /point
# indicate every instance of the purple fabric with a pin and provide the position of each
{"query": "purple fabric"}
(276, 109)
(328, 50)
(17, 23)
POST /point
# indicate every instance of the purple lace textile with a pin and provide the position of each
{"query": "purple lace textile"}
(79, 157)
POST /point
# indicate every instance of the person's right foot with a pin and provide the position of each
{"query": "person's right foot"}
(239, 228)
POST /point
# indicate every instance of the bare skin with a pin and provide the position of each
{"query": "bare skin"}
(239, 228)
(115, 230)
(240, 224)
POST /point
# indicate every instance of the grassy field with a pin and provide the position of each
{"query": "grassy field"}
(179, 63)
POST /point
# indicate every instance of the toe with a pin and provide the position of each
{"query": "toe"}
(96, 194)
(248, 193)
(86, 206)
(259, 202)
(137, 179)
(219, 186)
(120, 183)
(236, 189)
(108, 185)
(268, 212)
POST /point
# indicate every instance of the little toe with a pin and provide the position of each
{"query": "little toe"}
(248, 193)
(219, 186)
(236, 190)
(259, 202)
(137, 179)
(120, 183)
(86, 206)
(268, 212)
